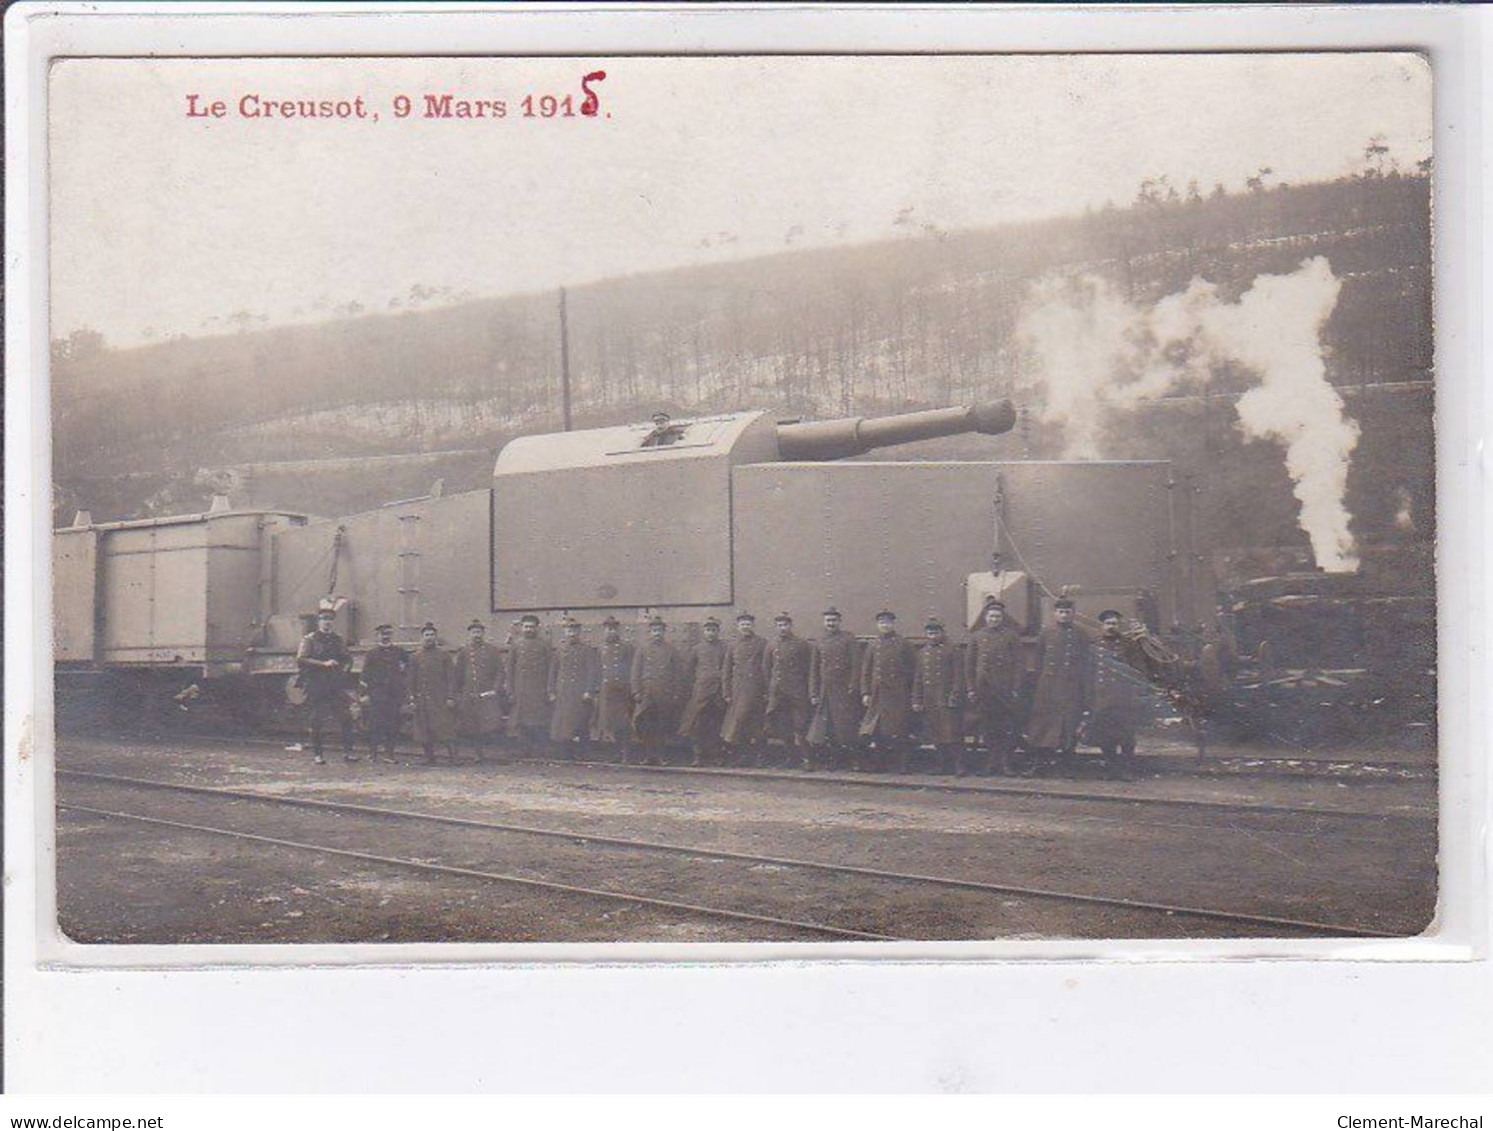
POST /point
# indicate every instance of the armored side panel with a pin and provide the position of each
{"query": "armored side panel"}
(154, 586)
(180, 590)
(908, 535)
(403, 564)
(617, 518)
(236, 544)
(74, 595)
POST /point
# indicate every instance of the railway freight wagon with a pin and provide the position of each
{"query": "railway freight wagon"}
(685, 519)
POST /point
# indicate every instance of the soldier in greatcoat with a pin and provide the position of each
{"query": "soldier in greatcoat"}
(993, 670)
(574, 682)
(324, 662)
(1064, 668)
(745, 679)
(432, 687)
(614, 702)
(528, 675)
(789, 712)
(886, 692)
(834, 691)
(656, 678)
(705, 709)
(383, 680)
(938, 697)
(479, 689)
(1118, 697)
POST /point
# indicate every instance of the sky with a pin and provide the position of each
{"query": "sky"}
(166, 224)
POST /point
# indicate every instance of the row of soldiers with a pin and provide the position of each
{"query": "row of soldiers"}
(832, 702)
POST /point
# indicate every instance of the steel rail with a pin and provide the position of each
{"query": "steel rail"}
(901, 782)
(1041, 792)
(1272, 921)
(478, 874)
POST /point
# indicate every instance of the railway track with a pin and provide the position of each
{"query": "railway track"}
(1171, 913)
(425, 866)
(1041, 792)
(928, 784)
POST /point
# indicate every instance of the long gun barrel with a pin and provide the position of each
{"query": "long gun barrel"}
(838, 439)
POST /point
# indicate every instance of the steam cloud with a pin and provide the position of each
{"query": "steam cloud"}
(1097, 352)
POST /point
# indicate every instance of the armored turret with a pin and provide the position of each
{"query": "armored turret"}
(641, 516)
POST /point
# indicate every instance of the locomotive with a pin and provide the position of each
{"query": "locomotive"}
(680, 518)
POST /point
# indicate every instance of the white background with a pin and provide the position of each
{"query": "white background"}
(1147, 1018)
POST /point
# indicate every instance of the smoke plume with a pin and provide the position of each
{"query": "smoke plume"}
(1097, 352)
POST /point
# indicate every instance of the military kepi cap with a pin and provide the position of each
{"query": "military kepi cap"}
(708, 621)
(657, 622)
(1111, 614)
(569, 622)
(429, 626)
(1063, 603)
(745, 617)
(383, 628)
(831, 612)
(994, 603)
(476, 624)
(933, 622)
(782, 618)
(528, 618)
(611, 622)
(886, 614)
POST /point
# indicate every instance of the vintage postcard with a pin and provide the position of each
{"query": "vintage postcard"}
(800, 499)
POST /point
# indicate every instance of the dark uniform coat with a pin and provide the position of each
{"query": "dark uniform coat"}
(323, 684)
(479, 689)
(938, 693)
(432, 677)
(574, 681)
(528, 674)
(1118, 695)
(993, 666)
(657, 672)
(834, 680)
(1064, 670)
(788, 710)
(886, 676)
(385, 675)
(745, 677)
(704, 665)
(614, 705)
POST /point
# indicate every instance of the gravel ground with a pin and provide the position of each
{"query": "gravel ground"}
(132, 882)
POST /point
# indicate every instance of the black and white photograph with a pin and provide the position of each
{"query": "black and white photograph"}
(732, 499)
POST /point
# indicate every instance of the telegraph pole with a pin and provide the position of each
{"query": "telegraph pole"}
(564, 363)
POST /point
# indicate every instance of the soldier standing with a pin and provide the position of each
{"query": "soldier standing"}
(383, 678)
(886, 689)
(1117, 699)
(432, 685)
(789, 712)
(834, 690)
(323, 662)
(744, 677)
(938, 697)
(1064, 665)
(655, 692)
(479, 689)
(993, 669)
(614, 704)
(528, 673)
(704, 666)
(574, 681)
